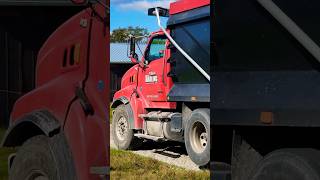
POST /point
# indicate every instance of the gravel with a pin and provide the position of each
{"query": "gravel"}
(173, 153)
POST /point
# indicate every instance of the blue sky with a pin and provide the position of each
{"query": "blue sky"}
(126, 13)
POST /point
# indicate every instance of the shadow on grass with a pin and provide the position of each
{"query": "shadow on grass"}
(170, 149)
(166, 146)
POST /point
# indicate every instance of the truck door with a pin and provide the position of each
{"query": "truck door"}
(86, 125)
(152, 80)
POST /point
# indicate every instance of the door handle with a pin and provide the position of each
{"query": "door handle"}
(84, 101)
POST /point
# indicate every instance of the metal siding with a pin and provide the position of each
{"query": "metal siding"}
(118, 52)
(117, 70)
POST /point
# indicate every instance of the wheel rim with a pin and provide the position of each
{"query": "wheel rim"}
(37, 175)
(198, 137)
(122, 128)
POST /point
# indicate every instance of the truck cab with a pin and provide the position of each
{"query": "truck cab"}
(60, 126)
(165, 95)
(152, 70)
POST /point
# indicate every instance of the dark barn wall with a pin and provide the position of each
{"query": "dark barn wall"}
(117, 70)
(17, 65)
(22, 32)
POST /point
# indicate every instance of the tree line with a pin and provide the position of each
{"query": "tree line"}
(122, 34)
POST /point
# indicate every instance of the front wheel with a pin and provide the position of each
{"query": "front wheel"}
(197, 136)
(123, 136)
(43, 158)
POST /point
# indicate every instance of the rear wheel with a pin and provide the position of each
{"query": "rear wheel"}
(197, 136)
(123, 136)
(289, 164)
(42, 158)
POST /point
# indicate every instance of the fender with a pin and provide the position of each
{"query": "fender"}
(35, 123)
(120, 100)
(125, 101)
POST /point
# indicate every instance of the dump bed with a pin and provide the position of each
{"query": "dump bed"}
(260, 67)
(190, 28)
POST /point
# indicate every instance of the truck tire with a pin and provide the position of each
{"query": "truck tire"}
(123, 136)
(42, 157)
(197, 136)
(289, 164)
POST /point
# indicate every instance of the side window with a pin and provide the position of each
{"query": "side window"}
(156, 48)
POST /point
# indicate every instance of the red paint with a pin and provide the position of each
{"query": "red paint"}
(142, 95)
(88, 136)
(145, 90)
(185, 5)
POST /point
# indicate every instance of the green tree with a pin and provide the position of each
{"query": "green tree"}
(122, 34)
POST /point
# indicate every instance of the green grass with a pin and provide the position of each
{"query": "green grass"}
(4, 153)
(127, 165)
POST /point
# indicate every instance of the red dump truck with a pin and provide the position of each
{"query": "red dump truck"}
(166, 94)
(62, 125)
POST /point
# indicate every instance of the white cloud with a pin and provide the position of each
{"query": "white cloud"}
(143, 5)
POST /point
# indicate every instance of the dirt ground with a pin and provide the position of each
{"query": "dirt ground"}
(173, 153)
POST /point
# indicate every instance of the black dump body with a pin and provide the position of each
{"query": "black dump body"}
(191, 30)
(259, 67)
